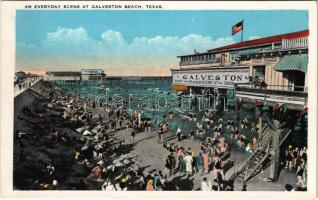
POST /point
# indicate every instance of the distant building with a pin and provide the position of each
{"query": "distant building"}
(92, 74)
(63, 75)
(84, 74)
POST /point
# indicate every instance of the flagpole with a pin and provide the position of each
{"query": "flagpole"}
(242, 34)
(242, 30)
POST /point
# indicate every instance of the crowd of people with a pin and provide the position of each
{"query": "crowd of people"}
(25, 82)
(105, 163)
(214, 151)
(296, 161)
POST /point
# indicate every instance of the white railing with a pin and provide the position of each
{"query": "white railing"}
(295, 43)
(196, 62)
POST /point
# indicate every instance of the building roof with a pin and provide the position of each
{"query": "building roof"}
(64, 73)
(237, 66)
(261, 41)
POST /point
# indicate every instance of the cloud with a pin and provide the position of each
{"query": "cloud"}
(253, 37)
(114, 38)
(69, 48)
(67, 40)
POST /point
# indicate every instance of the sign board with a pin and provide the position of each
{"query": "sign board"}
(91, 71)
(210, 78)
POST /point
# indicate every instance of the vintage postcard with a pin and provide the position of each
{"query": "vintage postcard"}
(108, 98)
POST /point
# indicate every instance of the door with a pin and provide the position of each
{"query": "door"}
(299, 81)
(259, 71)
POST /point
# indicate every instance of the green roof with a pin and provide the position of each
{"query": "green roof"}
(293, 62)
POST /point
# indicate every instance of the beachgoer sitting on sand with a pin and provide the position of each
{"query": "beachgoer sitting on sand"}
(96, 173)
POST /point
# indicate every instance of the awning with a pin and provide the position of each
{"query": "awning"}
(180, 87)
(293, 62)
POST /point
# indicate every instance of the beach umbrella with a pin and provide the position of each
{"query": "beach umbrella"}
(119, 164)
(126, 161)
(84, 148)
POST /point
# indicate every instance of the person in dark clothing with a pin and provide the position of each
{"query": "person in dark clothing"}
(288, 187)
(244, 188)
(120, 123)
(179, 135)
(100, 118)
(172, 161)
(133, 134)
(300, 175)
(81, 185)
(192, 134)
(168, 168)
(114, 125)
(117, 114)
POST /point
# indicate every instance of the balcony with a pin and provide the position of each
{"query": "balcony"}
(295, 97)
(198, 62)
(295, 43)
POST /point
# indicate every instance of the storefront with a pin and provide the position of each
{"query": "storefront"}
(294, 69)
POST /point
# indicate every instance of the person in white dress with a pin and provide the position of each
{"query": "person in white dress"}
(188, 160)
(206, 185)
(108, 186)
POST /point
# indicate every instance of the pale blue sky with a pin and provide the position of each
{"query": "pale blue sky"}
(113, 39)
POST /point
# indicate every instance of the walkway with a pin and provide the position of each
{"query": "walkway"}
(17, 91)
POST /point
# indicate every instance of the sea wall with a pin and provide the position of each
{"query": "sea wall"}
(23, 99)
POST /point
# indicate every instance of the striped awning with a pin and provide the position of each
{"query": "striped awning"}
(293, 62)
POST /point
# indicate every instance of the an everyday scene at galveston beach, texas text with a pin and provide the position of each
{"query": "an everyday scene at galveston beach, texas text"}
(161, 100)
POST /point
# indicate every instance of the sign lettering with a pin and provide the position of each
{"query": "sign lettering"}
(211, 78)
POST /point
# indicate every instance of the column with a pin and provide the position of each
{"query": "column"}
(237, 106)
(274, 167)
(306, 82)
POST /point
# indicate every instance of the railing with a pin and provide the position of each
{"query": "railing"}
(274, 88)
(283, 135)
(265, 131)
(262, 138)
(295, 43)
(196, 62)
(250, 171)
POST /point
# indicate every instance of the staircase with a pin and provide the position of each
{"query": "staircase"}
(255, 163)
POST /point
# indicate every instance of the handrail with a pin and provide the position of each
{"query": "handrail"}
(254, 168)
(260, 140)
(243, 165)
(206, 61)
(288, 88)
(249, 158)
(282, 138)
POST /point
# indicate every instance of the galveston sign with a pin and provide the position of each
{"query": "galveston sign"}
(210, 78)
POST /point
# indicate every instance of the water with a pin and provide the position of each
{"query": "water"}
(158, 100)
(157, 94)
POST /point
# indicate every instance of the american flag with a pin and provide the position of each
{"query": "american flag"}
(237, 27)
